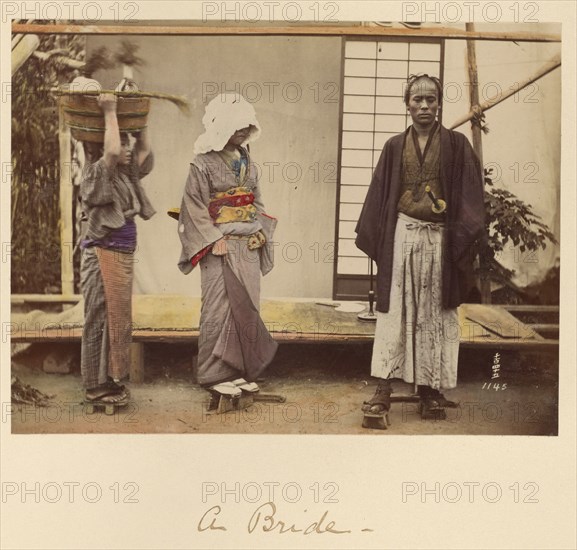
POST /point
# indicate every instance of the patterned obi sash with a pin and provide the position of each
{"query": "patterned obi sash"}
(234, 205)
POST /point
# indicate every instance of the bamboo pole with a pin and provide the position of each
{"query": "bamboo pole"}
(22, 50)
(66, 202)
(61, 59)
(310, 30)
(477, 137)
(551, 65)
(474, 92)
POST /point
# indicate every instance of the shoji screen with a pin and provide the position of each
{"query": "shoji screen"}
(374, 77)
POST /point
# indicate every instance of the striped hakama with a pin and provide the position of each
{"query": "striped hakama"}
(417, 340)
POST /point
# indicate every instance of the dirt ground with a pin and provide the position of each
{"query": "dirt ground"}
(324, 387)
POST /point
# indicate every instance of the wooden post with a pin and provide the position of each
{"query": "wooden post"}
(195, 367)
(66, 206)
(136, 373)
(477, 138)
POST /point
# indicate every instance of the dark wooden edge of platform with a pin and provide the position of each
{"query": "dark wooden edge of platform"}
(74, 334)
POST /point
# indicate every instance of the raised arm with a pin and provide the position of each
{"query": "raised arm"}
(142, 146)
(107, 103)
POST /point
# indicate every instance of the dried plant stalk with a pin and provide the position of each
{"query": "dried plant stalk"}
(127, 54)
(100, 59)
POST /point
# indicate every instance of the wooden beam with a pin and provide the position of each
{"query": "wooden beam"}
(74, 334)
(530, 308)
(544, 327)
(513, 345)
(45, 298)
(310, 30)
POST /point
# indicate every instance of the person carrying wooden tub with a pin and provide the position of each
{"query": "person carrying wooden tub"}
(421, 223)
(224, 230)
(111, 196)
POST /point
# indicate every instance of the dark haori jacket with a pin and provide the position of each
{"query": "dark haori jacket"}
(462, 180)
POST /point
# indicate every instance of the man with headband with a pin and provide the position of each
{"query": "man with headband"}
(421, 221)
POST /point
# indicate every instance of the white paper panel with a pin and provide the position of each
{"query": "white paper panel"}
(391, 87)
(358, 104)
(357, 140)
(353, 266)
(358, 122)
(390, 105)
(393, 50)
(366, 50)
(392, 69)
(359, 67)
(350, 212)
(359, 86)
(426, 52)
(356, 176)
(390, 123)
(356, 158)
(354, 193)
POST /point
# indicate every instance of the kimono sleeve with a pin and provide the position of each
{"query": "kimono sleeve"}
(268, 227)
(370, 220)
(195, 226)
(258, 202)
(470, 218)
(96, 188)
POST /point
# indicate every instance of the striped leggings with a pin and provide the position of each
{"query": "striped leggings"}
(106, 281)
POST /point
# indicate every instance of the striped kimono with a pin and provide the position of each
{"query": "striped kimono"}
(110, 201)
